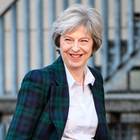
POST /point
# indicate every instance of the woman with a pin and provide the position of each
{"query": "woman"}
(65, 101)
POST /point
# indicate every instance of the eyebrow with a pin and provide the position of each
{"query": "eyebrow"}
(78, 39)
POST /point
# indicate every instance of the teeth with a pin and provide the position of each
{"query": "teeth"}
(76, 55)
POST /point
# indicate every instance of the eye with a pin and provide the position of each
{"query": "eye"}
(68, 40)
(84, 42)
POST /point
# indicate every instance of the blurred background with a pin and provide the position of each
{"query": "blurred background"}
(25, 44)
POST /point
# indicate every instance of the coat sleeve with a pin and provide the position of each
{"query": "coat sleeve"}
(30, 103)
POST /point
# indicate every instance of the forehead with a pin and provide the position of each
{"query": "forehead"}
(80, 31)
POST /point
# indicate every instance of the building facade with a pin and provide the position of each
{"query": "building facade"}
(25, 44)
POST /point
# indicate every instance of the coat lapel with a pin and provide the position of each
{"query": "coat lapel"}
(97, 92)
(98, 96)
(59, 100)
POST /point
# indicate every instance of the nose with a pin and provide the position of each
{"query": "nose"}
(75, 46)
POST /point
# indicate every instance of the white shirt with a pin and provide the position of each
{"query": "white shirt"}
(82, 117)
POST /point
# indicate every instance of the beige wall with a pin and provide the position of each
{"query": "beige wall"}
(34, 31)
(3, 2)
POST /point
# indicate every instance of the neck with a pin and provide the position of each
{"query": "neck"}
(78, 74)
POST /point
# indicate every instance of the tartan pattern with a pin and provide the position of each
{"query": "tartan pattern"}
(43, 102)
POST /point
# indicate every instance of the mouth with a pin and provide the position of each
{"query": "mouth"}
(76, 56)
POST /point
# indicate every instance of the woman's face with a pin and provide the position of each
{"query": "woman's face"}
(76, 47)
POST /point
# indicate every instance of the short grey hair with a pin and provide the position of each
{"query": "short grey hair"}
(75, 16)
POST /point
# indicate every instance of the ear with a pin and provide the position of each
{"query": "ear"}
(58, 50)
(57, 41)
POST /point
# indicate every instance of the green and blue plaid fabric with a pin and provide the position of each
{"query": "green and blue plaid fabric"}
(43, 103)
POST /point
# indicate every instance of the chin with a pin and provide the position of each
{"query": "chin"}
(75, 65)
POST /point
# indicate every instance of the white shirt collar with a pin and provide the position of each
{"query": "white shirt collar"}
(89, 78)
(70, 78)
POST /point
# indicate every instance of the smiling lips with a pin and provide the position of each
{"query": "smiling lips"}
(75, 56)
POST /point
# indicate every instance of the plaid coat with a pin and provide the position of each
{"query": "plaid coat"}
(43, 103)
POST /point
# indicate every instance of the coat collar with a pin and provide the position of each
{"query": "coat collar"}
(59, 72)
(59, 102)
(61, 90)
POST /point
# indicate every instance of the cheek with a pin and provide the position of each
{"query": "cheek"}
(89, 51)
(63, 48)
(64, 51)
